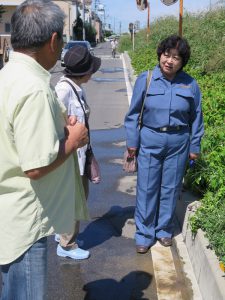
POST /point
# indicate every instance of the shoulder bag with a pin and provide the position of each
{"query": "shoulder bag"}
(130, 162)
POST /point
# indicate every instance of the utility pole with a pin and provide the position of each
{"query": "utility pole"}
(96, 5)
(133, 35)
(104, 20)
(83, 13)
(120, 27)
(181, 18)
(148, 21)
(69, 10)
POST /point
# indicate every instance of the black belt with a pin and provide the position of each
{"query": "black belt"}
(169, 128)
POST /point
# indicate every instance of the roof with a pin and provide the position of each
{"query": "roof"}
(10, 3)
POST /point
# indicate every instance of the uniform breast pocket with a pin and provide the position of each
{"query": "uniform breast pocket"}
(154, 98)
(182, 100)
(156, 106)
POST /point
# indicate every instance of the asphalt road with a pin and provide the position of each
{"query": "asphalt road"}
(114, 270)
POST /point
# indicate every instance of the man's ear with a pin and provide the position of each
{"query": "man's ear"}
(54, 42)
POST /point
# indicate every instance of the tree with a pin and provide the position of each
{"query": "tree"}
(107, 33)
(78, 29)
(90, 32)
(2, 11)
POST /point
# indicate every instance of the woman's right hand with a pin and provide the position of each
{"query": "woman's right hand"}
(132, 151)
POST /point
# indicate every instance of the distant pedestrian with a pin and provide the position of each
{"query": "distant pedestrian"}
(79, 67)
(114, 44)
(170, 133)
(36, 152)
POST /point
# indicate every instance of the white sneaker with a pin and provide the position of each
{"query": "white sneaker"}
(57, 237)
(80, 243)
(73, 253)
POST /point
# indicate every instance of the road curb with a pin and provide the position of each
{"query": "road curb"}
(130, 70)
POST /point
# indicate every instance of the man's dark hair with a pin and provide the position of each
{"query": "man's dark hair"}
(175, 42)
(34, 22)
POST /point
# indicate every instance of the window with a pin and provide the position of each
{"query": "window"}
(7, 27)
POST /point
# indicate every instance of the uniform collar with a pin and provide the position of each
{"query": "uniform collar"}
(158, 74)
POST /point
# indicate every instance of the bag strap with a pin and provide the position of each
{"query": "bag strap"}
(78, 98)
(148, 82)
(85, 117)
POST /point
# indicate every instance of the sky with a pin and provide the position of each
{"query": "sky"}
(125, 11)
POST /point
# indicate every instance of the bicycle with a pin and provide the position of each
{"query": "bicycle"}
(113, 53)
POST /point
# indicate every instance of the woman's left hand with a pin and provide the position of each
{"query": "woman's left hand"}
(132, 151)
(193, 156)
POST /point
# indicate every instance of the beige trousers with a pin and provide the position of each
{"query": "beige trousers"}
(68, 240)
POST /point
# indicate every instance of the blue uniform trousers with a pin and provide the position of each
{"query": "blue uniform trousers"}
(161, 164)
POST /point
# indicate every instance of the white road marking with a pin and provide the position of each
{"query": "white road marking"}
(119, 144)
(127, 81)
(127, 184)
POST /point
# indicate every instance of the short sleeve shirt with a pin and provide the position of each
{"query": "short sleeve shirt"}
(66, 94)
(31, 127)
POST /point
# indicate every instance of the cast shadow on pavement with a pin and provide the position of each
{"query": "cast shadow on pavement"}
(130, 287)
(106, 226)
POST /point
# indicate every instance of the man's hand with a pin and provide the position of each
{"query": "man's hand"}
(72, 120)
(77, 135)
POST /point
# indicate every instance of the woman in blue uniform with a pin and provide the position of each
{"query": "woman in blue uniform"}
(171, 132)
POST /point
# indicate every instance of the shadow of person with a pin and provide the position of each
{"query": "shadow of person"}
(130, 287)
(105, 227)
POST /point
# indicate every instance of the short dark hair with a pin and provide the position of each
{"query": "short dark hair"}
(175, 42)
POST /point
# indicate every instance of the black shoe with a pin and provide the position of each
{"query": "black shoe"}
(166, 241)
(141, 249)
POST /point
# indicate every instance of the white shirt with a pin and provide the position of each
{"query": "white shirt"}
(66, 94)
(114, 44)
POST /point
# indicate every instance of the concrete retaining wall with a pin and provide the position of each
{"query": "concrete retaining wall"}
(210, 278)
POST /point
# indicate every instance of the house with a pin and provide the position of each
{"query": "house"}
(71, 9)
(97, 24)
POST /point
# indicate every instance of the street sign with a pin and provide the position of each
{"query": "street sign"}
(131, 27)
(168, 2)
(142, 4)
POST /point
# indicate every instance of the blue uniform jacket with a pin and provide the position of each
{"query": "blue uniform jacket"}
(168, 103)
